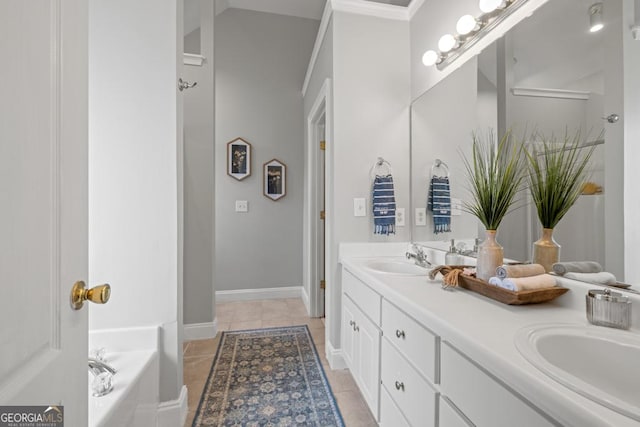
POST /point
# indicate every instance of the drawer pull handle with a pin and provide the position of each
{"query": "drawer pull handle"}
(357, 329)
(351, 323)
(399, 386)
(399, 333)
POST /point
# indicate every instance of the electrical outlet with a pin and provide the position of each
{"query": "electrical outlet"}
(400, 217)
(359, 207)
(456, 207)
(421, 217)
(242, 206)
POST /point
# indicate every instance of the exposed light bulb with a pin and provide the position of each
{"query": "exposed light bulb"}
(487, 6)
(446, 43)
(595, 18)
(466, 24)
(430, 58)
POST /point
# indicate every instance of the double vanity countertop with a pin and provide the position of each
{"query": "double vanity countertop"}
(485, 331)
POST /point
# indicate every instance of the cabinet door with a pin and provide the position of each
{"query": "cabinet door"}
(349, 334)
(368, 351)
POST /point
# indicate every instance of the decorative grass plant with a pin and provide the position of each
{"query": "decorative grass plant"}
(557, 175)
(495, 173)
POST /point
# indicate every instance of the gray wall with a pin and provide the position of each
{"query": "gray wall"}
(261, 60)
(199, 178)
(322, 70)
(371, 93)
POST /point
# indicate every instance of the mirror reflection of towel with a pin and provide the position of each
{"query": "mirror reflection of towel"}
(439, 203)
(384, 205)
(601, 278)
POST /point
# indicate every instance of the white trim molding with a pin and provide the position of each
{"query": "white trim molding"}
(174, 412)
(192, 59)
(254, 294)
(550, 93)
(413, 7)
(200, 331)
(334, 356)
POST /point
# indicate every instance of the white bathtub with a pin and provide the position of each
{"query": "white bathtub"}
(133, 402)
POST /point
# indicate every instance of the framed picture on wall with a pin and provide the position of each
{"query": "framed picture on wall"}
(275, 179)
(238, 159)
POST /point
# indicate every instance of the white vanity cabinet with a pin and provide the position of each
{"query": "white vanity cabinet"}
(361, 337)
(481, 398)
(411, 376)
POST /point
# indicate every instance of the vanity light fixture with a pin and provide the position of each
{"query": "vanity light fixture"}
(430, 58)
(488, 6)
(595, 17)
(466, 24)
(469, 30)
(446, 43)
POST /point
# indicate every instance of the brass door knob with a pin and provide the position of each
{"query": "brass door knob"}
(80, 294)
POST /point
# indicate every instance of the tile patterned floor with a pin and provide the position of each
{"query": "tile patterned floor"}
(198, 355)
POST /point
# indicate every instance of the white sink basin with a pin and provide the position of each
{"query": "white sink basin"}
(397, 266)
(600, 363)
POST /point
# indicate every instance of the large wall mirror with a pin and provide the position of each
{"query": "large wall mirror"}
(549, 73)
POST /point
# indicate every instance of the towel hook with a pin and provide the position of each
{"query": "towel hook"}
(439, 164)
(380, 164)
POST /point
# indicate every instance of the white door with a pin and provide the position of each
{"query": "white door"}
(43, 204)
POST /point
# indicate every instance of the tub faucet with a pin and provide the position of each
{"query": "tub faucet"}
(97, 367)
(419, 257)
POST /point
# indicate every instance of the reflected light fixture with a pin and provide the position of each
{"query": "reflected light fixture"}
(430, 58)
(466, 24)
(446, 43)
(470, 30)
(488, 6)
(595, 17)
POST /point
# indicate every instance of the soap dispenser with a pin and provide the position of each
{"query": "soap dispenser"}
(452, 257)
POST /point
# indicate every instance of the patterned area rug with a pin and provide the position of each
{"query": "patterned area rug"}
(267, 377)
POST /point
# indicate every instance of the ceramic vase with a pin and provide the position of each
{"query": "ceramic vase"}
(546, 251)
(490, 256)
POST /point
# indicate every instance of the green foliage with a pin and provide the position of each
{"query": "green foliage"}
(495, 174)
(557, 175)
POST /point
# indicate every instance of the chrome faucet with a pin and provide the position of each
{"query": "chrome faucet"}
(419, 257)
(97, 367)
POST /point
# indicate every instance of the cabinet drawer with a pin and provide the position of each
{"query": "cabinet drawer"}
(390, 415)
(366, 298)
(449, 417)
(411, 393)
(417, 344)
(482, 398)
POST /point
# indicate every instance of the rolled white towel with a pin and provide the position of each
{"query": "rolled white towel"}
(541, 281)
(495, 281)
(576, 267)
(601, 278)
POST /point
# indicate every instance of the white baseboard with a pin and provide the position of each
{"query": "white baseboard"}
(200, 331)
(174, 412)
(306, 300)
(334, 356)
(254, 294)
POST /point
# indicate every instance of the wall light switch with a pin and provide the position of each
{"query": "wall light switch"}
(400, 217)
(456, 207)
(359, 207)
(242, 206)
(421, 217)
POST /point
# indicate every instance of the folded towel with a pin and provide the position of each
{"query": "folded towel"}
(439, 202)
(601, 278)
(384, 205)
(519, 270)
(541, 281)
(576, 267)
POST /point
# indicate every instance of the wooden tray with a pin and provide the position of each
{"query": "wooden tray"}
(502, 295)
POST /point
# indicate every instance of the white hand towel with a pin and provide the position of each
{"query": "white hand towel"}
(602, 278)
